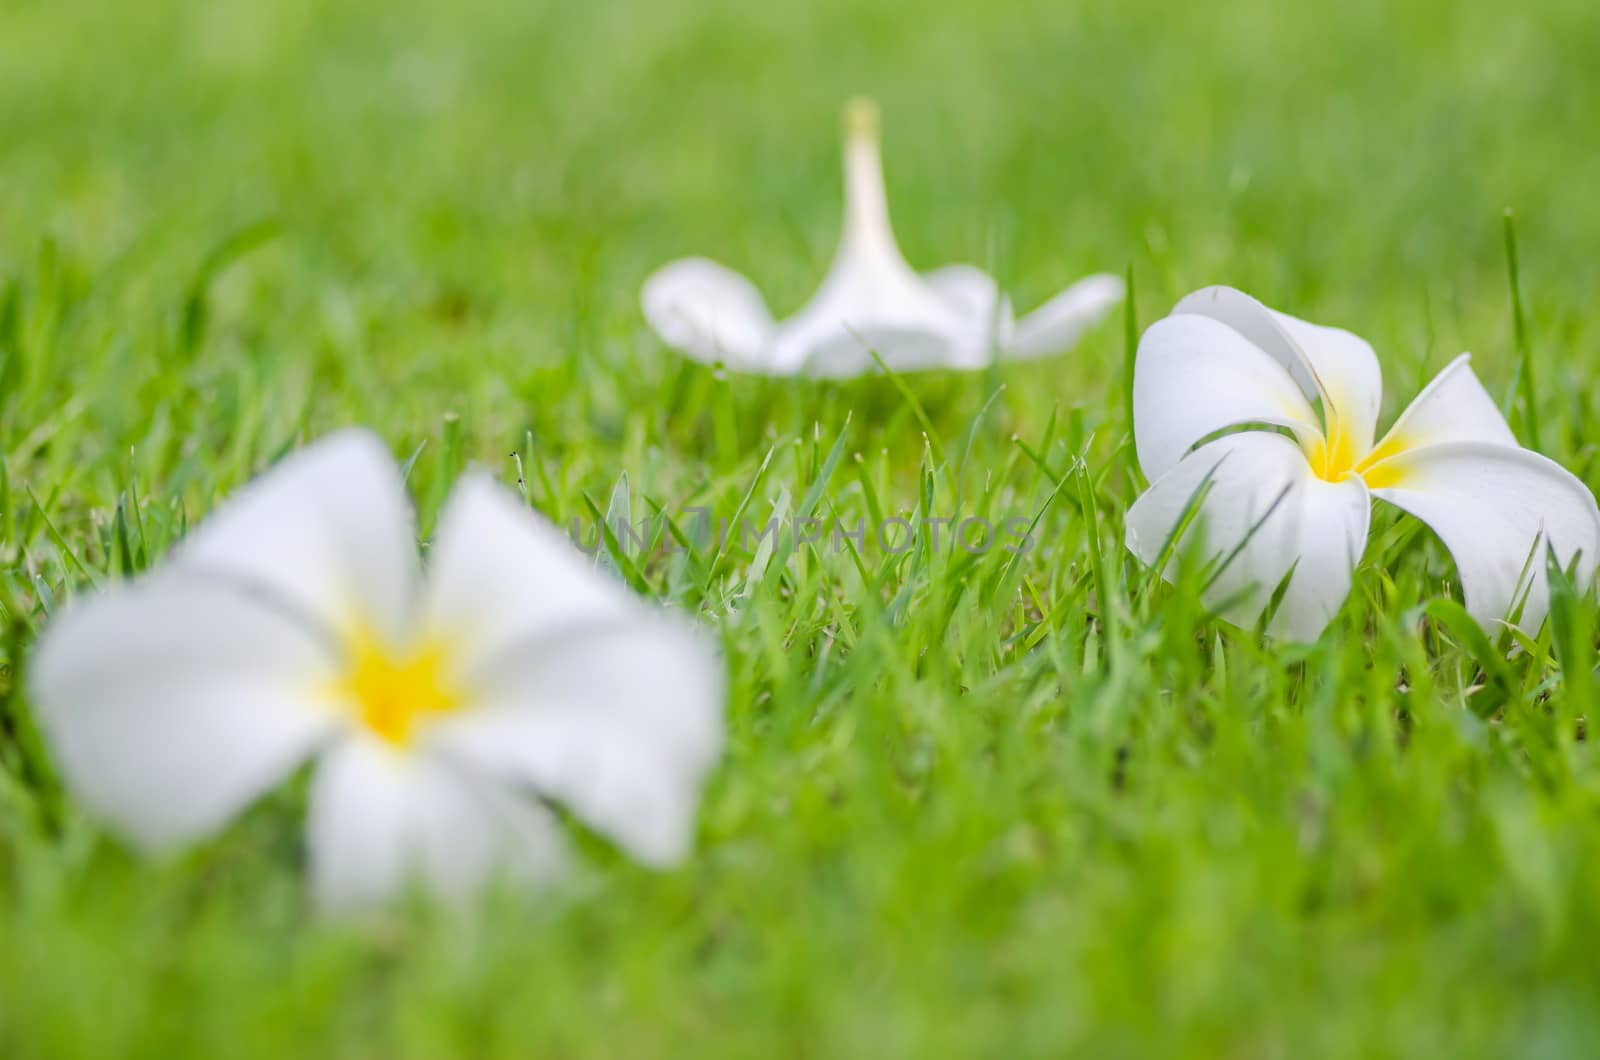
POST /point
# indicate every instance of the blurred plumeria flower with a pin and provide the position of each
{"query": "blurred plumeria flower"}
(870, 302)
(441, 708)
(1296, 505)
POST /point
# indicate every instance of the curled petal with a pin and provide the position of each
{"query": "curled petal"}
(1495, 508)
(1059, 323)
(383, 819)
(710, 313)
(1195, 376)
(1261, 514)
(173, 703)
(328, 532)
(1327, 362)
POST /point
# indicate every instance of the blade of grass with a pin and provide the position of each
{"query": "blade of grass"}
(1525, 387)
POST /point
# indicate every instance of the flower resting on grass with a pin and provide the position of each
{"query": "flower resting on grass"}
(1296, 506)
(870, 302)
(441, 709)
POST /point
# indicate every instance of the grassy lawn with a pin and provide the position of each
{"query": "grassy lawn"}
(973, 804)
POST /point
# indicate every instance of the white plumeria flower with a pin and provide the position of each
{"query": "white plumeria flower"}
(870, 302)
(441, 709)
(1273, 506)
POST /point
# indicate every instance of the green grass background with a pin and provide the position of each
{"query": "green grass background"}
(970, 806)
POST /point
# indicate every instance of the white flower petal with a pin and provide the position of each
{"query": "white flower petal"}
(499, 574)
(985, 309)
(1453, 407)
(1339, 366)
(620, 722)
(382, 819)
(1334, 520)
(1494, 507)
(174, 702)
(1059, 323)
(873, 304)
(1194, 376)
(971, 291)
(710, 313)
(1264, 514)
(836, 339)
(329, 530)
(578, 688)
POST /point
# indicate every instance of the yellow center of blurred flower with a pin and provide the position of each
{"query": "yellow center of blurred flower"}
(393, 690)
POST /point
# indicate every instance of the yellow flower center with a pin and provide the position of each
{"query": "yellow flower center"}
(393, 690)
(1336, 459)
(1378, 469)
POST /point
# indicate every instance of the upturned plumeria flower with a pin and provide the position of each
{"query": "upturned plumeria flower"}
(870, 302)
(1297, 505)
(441, 709)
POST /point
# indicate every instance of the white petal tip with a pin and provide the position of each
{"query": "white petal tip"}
(1103, 289)
(707, 312)
(1058, 324)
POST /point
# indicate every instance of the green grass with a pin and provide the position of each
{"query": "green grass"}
(970, 806)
